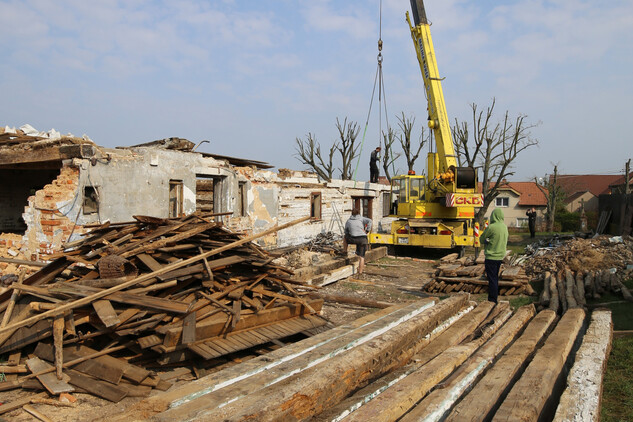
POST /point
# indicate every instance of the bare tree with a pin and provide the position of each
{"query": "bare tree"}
(406, 126)
(493, 147)
(348, 132)
(554, 193)
(309, 153)
(389, 157)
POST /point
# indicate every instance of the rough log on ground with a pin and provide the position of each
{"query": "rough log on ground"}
(326, 384)
(528, 398)
(580, 402)
(553, 288)
(177, 397)
(483, 400)
(435, 406)
(395, 401)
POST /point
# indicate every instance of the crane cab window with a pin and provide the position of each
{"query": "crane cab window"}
(399, 187)
(416, 191)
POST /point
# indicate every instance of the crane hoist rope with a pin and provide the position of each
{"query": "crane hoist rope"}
(378, 80)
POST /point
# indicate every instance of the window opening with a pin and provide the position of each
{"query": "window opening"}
(315, 205)
(91, 200)
(502, 201)
(175, 198)
(242, 199)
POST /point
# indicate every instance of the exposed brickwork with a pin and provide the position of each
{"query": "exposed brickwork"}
(48, 224)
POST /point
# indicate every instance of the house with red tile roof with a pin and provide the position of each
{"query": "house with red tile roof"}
(582, 190)
(515, 199)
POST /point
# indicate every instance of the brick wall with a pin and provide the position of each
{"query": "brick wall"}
(47, 215)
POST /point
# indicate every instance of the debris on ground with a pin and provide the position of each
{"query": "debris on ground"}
(130, 299)
(574, 269)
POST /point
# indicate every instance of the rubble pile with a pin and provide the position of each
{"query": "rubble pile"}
(131, 298)
(577, 269)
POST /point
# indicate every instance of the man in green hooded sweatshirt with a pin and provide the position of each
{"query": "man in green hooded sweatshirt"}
(495, 240)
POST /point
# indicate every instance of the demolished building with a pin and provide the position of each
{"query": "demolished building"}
(56, 186)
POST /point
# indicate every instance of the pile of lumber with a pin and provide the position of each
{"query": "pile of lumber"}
(150, 294)
(566, 289)
(453, 360)
(467, 274)
(580, 269)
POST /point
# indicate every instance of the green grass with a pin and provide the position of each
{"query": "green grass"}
(617, 397)
(518, 301)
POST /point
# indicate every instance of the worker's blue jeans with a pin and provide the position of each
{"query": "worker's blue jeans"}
(492, 272)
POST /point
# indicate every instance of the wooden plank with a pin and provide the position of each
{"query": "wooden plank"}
(353, 368)
(131, 372)
(58, 340)
(17, 404)
(106, 312)
(261, 364)
(48, 380)
(582, 396)
(90, 367)
(13, 360)
(189, 328)
(528, 398)
(437, 403)
(144, 277)
(97, 388)
(139, 300)
(215, 326)
(30, 409)
(28, 335)
(486, 395)
(149, 341)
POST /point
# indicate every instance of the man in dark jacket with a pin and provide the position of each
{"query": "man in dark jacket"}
(531, 215)
(373, 165)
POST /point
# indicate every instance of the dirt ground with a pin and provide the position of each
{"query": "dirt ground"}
(392, 280)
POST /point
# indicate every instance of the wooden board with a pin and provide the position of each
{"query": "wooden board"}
(241, 340)
(106, 312)
(49, 381)
(98, 388)
(581, 399)
(90, 367)
(529, 396)
(485, 396)
(351, 367)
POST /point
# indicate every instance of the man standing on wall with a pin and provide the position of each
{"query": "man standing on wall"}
(531, 215)
(495, 240)
(356, 229)
(373, 165)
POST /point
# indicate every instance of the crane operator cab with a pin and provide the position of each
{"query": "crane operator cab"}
(406, 191)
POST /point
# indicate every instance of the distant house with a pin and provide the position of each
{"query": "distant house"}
(619, 185)
(582, 190)
(515, 198)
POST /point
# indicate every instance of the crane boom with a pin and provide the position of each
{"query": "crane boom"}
(437, 115)
(435, 210)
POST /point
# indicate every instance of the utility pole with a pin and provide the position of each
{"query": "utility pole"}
(553, 195)
(627, 177)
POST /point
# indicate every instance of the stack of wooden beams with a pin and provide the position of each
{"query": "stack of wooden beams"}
(579, 269)
(455, 361)
(565, 289)
(468, 275)
(146, 294)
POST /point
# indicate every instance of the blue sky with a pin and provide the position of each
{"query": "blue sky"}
(251, 76)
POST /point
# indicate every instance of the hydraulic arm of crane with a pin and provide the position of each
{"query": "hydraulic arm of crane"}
(437, 118)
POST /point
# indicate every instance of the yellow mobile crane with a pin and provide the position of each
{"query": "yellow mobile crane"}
(436, 210)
